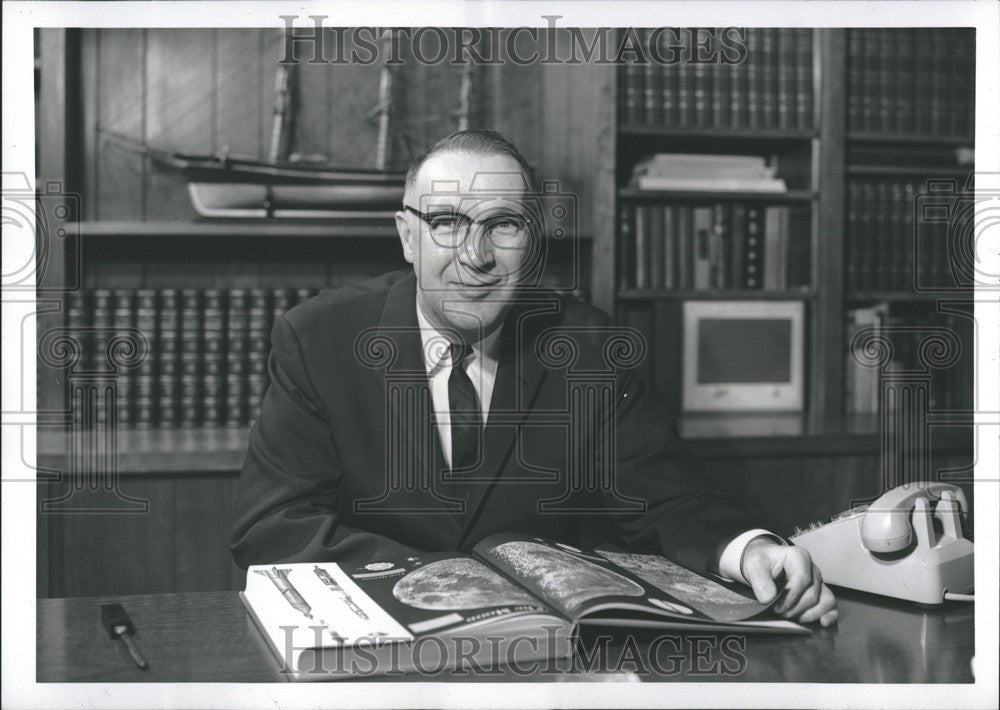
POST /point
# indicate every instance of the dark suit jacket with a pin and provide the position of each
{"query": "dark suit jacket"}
(344, 463)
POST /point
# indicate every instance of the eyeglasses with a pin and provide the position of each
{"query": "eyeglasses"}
(449, 228)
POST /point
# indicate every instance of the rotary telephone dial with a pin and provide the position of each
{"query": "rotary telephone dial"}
(893, 548)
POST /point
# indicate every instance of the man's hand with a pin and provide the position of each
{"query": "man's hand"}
(806, 598)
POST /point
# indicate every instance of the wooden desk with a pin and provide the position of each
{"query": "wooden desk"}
(208, 637)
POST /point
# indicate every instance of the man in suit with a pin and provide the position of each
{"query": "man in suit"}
(425, 410)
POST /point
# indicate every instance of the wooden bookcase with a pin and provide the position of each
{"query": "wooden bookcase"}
(136, 230)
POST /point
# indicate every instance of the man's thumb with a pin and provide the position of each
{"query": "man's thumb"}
(760, 580)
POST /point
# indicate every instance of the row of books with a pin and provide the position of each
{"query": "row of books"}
(912, 80)
(726, 245)
(207, 350)
(889, 248)
(950, 386)
(771, 88)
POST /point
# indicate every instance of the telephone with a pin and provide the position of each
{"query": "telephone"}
(892, 547)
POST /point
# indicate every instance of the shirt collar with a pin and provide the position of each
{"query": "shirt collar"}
(435, 345)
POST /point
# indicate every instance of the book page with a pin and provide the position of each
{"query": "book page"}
(317, 606)
(434, 593)
(715, 601)
(570, 579)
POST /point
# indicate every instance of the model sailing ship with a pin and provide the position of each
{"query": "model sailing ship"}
(290, 186)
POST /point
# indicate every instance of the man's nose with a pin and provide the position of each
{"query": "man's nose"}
(477, 251)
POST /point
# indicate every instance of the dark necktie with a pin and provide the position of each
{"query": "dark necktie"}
(466, 416)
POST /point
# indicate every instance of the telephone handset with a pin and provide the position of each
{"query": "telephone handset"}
(892, 547)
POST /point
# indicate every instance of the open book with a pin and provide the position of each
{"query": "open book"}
(515, 598)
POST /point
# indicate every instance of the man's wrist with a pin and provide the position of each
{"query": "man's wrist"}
(732, 557)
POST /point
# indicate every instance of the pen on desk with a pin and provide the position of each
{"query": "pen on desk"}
(119, 626)
(339, 591)
(288, 590)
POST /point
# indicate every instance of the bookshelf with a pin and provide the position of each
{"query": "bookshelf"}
(891, 135)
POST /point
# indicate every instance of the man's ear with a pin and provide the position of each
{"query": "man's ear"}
(407, 236)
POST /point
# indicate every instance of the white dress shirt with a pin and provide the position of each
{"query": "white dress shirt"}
(481, 367)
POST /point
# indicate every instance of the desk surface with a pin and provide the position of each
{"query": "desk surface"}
(208, 637)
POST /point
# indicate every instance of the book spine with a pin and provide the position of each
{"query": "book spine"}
(669, 247)
(753, 252)
(883, 251)
(804, 98)
(855, 80)
(909, 238)
(753, 77)
(799, 261)
(626, 246)
(237, 330)
(213, 357)
(652, 91)
(641, 247)
(897, 238)
(654, 218)
(701, 87)
(79, 315)
(866, 235)
(852, 256)
(668, 86)
(786, 78)
(738, 239)
(773, 251)
(258, 347)
(870, 75)
(168, 358)
(939, 76)
(145, 376)
(685, 247)
(905, 79)
(719, 247)
(632, 100)
(685, 95)
(737, 93)
(123, 318)
(721, 94)
(702, 249)
(188, 409)
(769, 74)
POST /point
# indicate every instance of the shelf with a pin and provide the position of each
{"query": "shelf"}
(908, 296)
(908, 171)
(274, 229)
(634, 193)
(152, 451)
(730, 134)
(715, 294)
(910, 138)
(277, 229)
(729, 435)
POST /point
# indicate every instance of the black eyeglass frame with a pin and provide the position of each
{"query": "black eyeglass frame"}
(465, 220)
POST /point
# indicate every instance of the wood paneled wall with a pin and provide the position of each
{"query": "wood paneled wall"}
(212, 91)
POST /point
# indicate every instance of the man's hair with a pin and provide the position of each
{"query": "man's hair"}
(479, 142)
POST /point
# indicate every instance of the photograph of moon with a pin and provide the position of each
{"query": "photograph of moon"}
(711, 599)
(564, 578)
(459, 583)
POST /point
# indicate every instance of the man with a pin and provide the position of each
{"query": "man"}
(426, 410)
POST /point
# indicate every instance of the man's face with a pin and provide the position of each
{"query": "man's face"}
(466, 283)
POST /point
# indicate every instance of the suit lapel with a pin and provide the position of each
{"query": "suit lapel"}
(408, 375)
